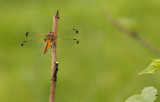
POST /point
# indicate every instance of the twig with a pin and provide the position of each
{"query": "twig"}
(54, 60)
(134, 35)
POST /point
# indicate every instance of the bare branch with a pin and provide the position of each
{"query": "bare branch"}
(54, 60)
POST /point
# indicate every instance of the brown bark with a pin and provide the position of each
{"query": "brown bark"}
(54, 61)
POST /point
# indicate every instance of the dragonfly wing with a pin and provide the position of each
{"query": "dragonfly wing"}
(68, 33)
(33, 39)
(33, 43)
(34, 35)
(67, 38)
(62, 43)
(64, 39)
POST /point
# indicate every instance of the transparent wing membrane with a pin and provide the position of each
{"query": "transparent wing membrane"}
(62, 43)
(68, 33)
(34, 35)
(33, 43)
(33, 39)
(67, 38)
(38, 40)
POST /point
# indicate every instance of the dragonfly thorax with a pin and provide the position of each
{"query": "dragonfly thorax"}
(50, 36)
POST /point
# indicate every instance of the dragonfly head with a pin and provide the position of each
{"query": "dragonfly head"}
(51, 33)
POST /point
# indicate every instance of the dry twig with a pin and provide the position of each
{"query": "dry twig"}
(54, 60)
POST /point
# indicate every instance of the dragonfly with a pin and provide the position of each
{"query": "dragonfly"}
(50, 38)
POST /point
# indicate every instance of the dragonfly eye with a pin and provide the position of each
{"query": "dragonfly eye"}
(27, 33)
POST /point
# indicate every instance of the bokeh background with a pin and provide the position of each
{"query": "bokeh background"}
(102, 68)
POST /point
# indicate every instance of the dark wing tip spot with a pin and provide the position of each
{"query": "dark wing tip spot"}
(77, 31)
(21, 44)
(27, 33)
(77, 42)
(74, 39)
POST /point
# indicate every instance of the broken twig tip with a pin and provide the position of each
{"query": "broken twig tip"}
(57, 14)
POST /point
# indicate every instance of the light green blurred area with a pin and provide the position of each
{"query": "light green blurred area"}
(102, 68)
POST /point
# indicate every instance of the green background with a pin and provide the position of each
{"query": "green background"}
(102, 68)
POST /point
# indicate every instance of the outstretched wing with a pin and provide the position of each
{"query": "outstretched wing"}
(64, 39)
(67, 38)
(63, 43)
(68, 33)
(33, 39)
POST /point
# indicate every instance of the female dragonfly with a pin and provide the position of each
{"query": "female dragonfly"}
(49, 38)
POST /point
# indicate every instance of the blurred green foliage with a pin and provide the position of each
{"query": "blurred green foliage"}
(152, 68)
(148, 94)
(104, 66)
